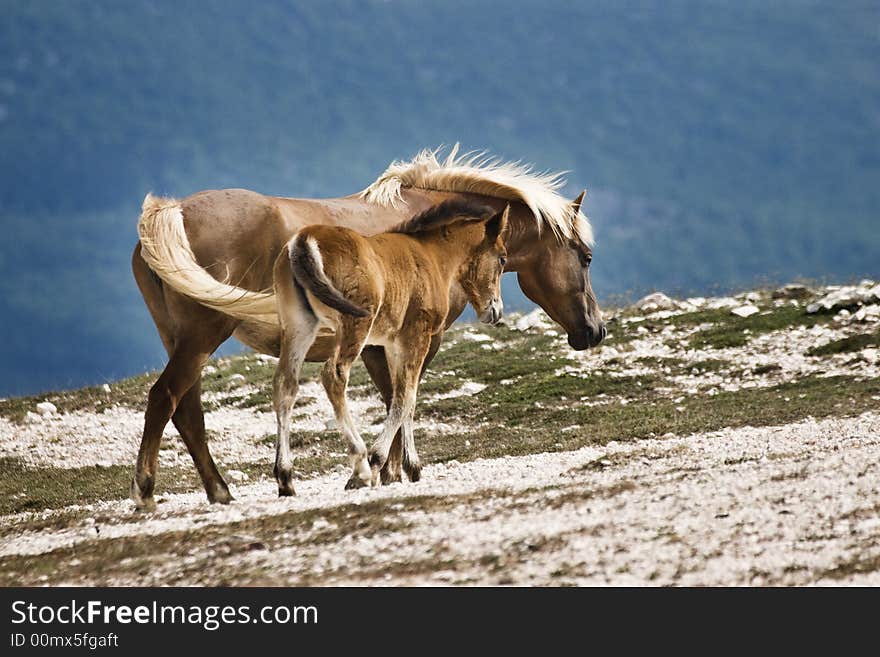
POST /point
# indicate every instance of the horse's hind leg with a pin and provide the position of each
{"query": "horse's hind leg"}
(190, 334)
(189, 419)
(297, 336)
(179, 376)
(335, 379)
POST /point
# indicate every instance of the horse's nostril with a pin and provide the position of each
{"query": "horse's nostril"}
(603, 331)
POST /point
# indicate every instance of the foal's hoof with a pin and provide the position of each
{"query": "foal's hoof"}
(147, 505)
(414, 472)
(285, 482)
(355, 482)
(389, 477)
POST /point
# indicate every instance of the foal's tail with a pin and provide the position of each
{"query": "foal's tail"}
(166, 249)
(308, 271)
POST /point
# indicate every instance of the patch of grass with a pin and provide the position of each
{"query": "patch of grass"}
(766, 369)
(128, 555)
(518, 402)
(710, 365)
(29, 488)
(131, 392)
(730, 330)
(529, 354)
(845, 345)
(518, 426)
(855, 566)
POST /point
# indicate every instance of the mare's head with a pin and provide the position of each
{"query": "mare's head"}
(554, 272)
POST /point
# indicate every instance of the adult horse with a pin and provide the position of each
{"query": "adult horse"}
(204, 266)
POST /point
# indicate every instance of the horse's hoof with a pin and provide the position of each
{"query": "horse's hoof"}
(391, 477)
(354, 483)
(414, 472)
(142, 501)
(145, 506)
(221, 495)
(287, 491)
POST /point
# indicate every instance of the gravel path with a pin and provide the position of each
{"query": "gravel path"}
(794, 504)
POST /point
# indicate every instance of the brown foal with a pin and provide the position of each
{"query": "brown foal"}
(390, 290)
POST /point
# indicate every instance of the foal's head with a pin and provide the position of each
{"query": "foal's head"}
(474, 231)
(480, 276)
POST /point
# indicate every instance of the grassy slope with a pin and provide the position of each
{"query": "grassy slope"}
(525, 408)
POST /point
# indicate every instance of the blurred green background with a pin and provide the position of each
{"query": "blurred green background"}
(722, 144)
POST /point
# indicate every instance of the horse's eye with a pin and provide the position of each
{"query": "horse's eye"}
(586, 259)
(502, 260)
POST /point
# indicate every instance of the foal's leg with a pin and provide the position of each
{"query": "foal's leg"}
(335, 379)
(377, 367)
(406, 365)
(297, 336)
(410, 457)
(411, 464)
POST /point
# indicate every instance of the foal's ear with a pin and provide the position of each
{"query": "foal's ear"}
(497, 223)
(576, 204)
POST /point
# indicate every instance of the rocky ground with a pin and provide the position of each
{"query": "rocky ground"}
(709, 441)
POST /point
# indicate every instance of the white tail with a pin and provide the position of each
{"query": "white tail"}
(166, 249)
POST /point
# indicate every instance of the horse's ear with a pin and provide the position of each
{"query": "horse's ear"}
(497, 223)
(576, 204)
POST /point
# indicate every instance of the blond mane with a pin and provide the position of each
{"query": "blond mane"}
(478, 173)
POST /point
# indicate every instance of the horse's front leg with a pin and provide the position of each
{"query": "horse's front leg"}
(406, 365)
(377, 367)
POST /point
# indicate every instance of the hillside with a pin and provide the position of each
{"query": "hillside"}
(721, 143)
(708, 441)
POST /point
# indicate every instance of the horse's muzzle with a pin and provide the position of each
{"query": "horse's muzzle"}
(492, 314)
(589, 337)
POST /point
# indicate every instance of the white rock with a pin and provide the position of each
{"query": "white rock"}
(722, 302)
(845, 296)
(32, 418)
(476, 337)
(752, 297)
(867, 314)
(266, 358)
(330, 424)
(656, 301)
(209, 369)
(745, 311)
(236, 380)
(535, 319)
(237, 475)
(105, 387)
(46, 408)
(872, 355)
(792, 291)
